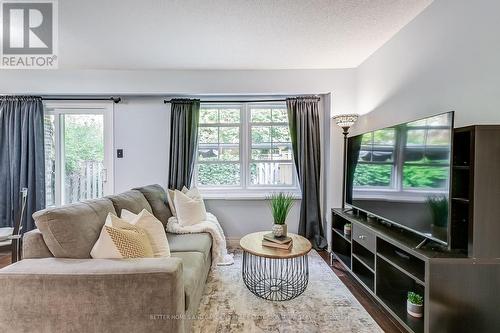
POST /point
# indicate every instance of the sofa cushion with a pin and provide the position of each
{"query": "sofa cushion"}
(157, 199)
(132, 200)
(194, 274)
(190, 243)
(34, 246)
(71, 231)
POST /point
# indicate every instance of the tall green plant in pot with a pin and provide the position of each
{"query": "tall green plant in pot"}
(280, 204)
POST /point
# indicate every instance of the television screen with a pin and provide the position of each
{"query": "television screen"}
(401, 174)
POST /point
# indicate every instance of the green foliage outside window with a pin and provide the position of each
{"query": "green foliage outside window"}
(219, 174)
(83, 140)
(261, 115)
(261, 134)
(224, 116)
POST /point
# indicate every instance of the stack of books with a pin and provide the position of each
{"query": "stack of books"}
(284, 242)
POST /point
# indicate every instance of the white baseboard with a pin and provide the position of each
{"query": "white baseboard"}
(233, 242)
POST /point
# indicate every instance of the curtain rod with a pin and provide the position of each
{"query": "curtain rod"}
(115, 100)
(240, 101)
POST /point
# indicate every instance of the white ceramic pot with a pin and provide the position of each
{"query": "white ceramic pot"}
(279, 230)
(414, 310)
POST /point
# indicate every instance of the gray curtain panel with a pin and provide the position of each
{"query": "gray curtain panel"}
(185, 115)
(22, 158)
(303, 117)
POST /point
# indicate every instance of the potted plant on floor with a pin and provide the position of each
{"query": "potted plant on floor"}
(347, 229)
(415, 305)
(280, 204)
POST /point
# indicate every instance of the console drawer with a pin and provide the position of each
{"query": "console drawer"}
(363, 236)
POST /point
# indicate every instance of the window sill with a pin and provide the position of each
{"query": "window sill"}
(243, 195)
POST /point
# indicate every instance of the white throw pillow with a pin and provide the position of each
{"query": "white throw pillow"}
(192, 193)
(153, 227)
(190, 210)
(170, 199)
(119, 239)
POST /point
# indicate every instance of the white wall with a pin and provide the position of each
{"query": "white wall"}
(240, 217)
(447, 58)
(142, 130)
(340, 82)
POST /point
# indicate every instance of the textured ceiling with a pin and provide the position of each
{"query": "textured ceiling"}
(227, 34)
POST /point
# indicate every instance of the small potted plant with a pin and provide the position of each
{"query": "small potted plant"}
(280, 204)
(347, 229)
(415, 305)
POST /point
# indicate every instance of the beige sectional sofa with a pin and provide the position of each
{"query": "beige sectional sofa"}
(57, 287)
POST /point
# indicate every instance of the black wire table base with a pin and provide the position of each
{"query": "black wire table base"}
(275, 279)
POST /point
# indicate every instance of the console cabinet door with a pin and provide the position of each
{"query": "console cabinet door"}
(364, 237)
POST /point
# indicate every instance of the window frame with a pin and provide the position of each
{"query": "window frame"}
(58, 110)
(245, 189)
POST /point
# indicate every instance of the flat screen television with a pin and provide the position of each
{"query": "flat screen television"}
(401, 174)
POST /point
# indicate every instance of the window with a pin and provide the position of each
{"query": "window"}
(244, 147)
(271, 160)
(219, 158)
(78, 152)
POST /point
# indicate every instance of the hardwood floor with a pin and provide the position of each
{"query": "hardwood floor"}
(4, 259)
(378, 313)
(381, 316)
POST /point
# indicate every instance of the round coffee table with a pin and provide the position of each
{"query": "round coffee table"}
(275, 274)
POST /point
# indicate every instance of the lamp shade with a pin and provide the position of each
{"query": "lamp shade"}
(345, 120)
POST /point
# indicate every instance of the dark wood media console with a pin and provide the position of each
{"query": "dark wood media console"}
(459, 283)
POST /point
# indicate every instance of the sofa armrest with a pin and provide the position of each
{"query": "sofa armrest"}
(34, 246)
(92, 295)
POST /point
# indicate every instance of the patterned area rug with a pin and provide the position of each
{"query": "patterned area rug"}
(326, 305)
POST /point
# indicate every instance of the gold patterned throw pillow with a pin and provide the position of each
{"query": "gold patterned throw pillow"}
(131, 243)
(119, 240)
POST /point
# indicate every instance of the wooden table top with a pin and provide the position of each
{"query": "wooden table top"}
(252, 243)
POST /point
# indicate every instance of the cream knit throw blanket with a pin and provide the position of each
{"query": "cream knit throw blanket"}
(211, 225)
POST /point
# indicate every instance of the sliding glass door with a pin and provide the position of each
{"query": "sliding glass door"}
(78, 152)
